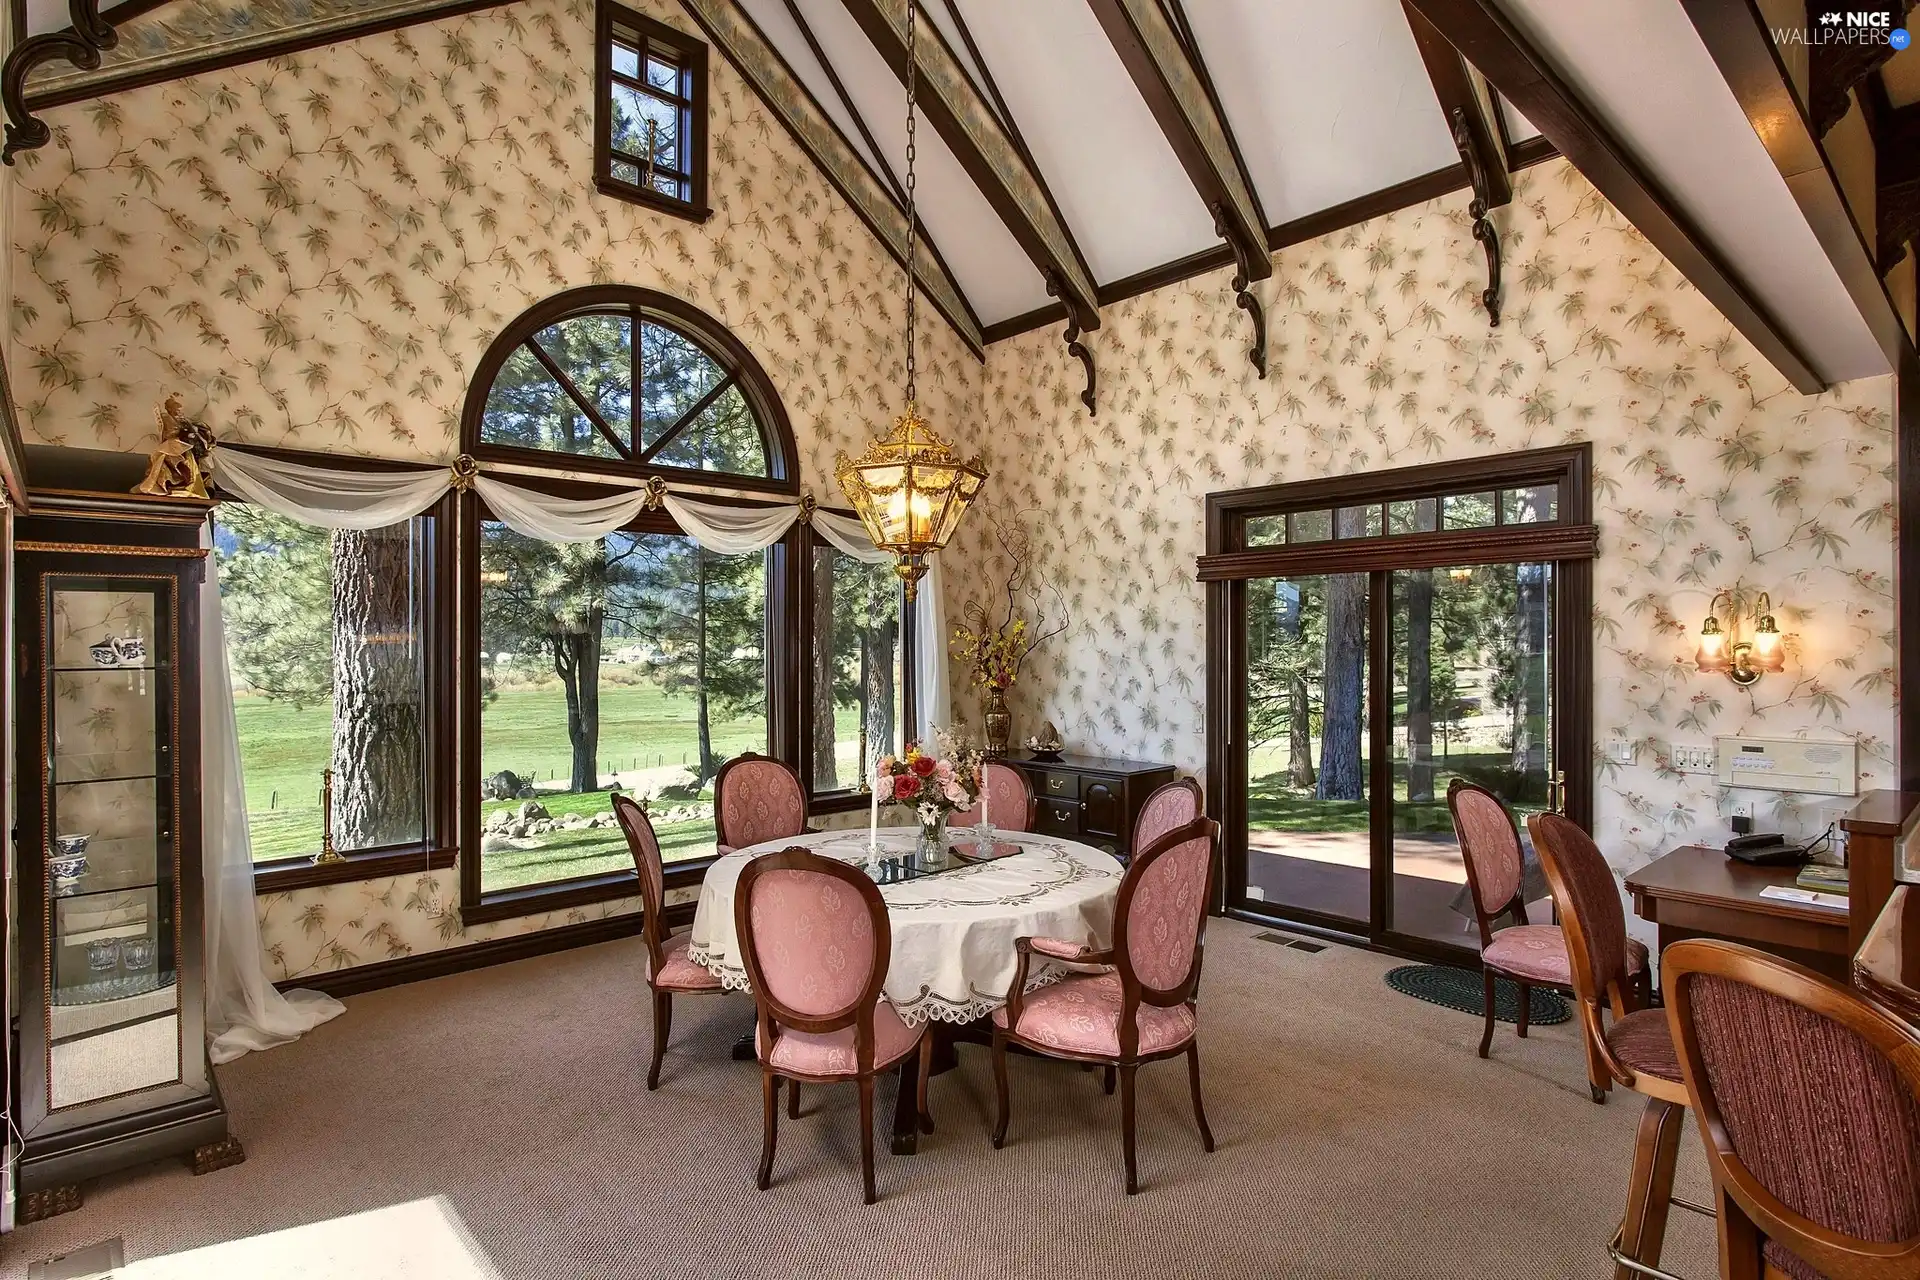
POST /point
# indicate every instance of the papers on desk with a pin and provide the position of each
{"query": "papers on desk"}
(1786, 893)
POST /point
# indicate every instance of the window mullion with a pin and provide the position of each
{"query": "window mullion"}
(699, 407)
(574, 394)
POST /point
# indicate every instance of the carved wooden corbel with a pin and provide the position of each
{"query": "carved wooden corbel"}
(1076, 322)
(1834, 68)
(1478, 167)
(1242, 294)
(90, 36)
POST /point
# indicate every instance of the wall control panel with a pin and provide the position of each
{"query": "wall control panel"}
(1820, 766)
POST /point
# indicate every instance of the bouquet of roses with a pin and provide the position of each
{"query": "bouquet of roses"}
(934, 786)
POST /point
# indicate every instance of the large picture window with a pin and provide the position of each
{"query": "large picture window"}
(330, 642)
(858, 713)
(640, 661)
(635, 663)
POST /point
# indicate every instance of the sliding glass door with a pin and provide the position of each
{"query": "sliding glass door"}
(1440, 635)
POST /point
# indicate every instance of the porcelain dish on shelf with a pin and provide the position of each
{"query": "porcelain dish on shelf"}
(68, 846)
(66, 872)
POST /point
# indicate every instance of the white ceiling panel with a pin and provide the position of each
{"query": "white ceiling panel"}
(1519, 128)
(1640, 67)
(987, 262)
(776, 22)
(1329, 102)
(1121, 189)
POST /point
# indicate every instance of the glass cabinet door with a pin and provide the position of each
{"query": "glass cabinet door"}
(111, 794)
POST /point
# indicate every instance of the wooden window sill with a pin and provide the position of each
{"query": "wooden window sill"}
(303, 873)
(508, 904)
(839, 802)
(627, 191)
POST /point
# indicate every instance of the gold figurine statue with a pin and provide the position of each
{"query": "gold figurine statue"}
(178, 466)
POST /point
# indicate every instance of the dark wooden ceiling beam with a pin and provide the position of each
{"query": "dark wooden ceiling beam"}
(1473, 120)
(1489, 42)
(1736, 35)
(1158, 51)
(951, 102)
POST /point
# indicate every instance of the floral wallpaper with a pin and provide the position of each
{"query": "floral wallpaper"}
(315, 250)
(1711, 471)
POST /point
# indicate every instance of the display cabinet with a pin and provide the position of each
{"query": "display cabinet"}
(111, 1053)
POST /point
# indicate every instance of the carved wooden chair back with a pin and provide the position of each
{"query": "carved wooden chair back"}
(755, 799)
(1808, 1098)
(816, 942)
(651, 871)
(1590, 912)
(1009, 800)
(1490, 847)
(1168, 809)
(1159, 925)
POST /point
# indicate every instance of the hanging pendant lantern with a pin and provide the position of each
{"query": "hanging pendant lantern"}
(910, 490)
(910, 487)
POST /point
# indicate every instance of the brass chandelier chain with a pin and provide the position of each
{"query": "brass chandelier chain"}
(913, 62)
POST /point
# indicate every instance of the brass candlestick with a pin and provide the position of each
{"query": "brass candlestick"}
(328, 854)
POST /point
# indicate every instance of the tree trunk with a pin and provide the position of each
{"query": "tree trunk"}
(1343, 700)
(825, 769)
(1530, 682)
(1299, 735)
(708, 765)
(576, 660)
(1419, 684)
(876, 689)
(379, 773)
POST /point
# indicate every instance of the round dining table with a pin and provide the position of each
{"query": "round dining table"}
(953, 929)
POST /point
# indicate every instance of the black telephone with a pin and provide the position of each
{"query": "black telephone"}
(1766, 849)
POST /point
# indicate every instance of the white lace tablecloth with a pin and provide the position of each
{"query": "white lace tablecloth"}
(953, 932)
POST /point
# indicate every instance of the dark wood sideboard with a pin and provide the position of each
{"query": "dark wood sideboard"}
(1093, 799)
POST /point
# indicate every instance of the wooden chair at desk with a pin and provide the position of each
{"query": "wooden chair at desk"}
(1808, 1098)
(1635, 1049)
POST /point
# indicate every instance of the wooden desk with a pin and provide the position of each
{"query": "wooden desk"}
(1697, 892)
(1887, 967)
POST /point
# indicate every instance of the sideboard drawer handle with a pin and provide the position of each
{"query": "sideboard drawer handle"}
(1058, 785)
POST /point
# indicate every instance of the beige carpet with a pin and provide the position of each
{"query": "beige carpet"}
(497, 1124)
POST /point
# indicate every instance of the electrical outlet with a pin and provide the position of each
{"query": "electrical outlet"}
(1693, 757)
(1742, 809)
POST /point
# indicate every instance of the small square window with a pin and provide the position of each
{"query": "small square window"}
(650, 117)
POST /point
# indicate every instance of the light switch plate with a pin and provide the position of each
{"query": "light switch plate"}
(1693, 757)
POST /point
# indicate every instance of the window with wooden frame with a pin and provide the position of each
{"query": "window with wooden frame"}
(637, 661)
(650, 126)
(1373, 639)
(859, 695)
(335, 650)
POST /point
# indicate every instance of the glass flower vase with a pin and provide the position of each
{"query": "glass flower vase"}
(930, 846)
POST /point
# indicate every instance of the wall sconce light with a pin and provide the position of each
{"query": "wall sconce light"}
(1742, 661)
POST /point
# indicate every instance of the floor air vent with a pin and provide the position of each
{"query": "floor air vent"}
(1298, 944)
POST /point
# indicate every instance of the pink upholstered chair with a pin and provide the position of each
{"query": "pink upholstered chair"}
(1141, 1008)
(1167, 809)
(755, 799)
(1009, 801)
(1529, 955)
(669, 971)
(815, 937)
(1808, 1098)
(1636, 1048)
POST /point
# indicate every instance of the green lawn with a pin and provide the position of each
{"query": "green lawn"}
(1273, 806)
(524, 730)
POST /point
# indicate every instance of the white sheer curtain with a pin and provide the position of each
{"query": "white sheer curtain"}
(244, 1011)
(932, 699)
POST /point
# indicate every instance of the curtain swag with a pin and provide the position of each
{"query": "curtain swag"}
(339, 499)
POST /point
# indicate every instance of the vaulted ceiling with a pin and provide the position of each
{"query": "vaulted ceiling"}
(1050, 165)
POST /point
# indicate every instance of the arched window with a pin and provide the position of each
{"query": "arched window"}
(628, 381)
